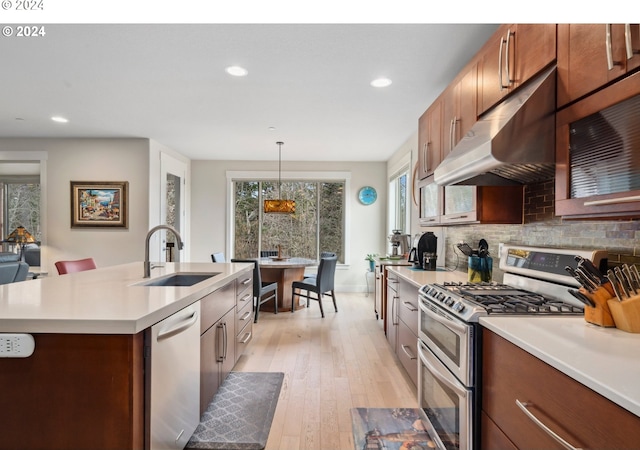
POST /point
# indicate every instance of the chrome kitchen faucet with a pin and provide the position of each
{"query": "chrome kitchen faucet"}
(147, 263)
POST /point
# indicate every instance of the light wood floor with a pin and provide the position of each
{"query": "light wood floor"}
(330, 365)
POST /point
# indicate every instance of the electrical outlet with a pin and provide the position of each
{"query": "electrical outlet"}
(16, 345)
(500, 245)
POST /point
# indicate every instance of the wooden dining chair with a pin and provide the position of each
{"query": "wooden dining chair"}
(263, 291)
(78, 265)
(323, 284)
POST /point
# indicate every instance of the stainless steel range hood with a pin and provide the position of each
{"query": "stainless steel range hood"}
(512, 144)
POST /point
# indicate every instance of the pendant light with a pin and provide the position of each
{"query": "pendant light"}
(279, 205)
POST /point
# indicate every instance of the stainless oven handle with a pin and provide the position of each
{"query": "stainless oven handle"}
(450, 381)
(444, 320)
(546, 429)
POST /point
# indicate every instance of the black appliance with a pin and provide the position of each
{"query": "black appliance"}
(424, 253)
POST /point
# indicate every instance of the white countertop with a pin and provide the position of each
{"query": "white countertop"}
(419, 277)
(104, 301)
(606, 360)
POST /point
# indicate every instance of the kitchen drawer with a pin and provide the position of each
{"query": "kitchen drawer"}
(243, 338)
(216, 305)
(244, 316)
(408, 310)
(408, 351)
(244, 290)
(579, 415)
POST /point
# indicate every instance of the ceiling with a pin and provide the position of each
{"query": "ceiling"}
(167, 83)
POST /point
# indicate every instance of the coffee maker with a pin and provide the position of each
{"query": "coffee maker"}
(424, 255)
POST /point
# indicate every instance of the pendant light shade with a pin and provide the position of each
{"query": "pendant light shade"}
(279, 205)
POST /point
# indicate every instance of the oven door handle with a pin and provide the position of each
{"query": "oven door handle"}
(449, 322)
(450, 380)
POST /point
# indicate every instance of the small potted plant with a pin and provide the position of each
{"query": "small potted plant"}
(371, 257)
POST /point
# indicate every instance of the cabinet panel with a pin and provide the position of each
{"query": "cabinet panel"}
(392, 310)
(214, 305)
(512, 56)
(483, 204)
(623, 204)
(459, 108)
(579, 415)
(429, 140)
(592, 55)
(408, 310)
(407, 351)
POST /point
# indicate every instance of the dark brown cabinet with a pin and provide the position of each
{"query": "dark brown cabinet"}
(518, 386)
(459, 108)
(429, 140)
(512, 56)
(592, 55)
(612, 159)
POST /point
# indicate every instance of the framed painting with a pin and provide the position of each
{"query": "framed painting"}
(99, 204)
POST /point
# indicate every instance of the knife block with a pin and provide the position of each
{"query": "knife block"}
(600, 314)
(626, 313)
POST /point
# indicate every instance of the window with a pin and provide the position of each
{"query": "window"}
(20, 204)
(399, 202)
(318, 224)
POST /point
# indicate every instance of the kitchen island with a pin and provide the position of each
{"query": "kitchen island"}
(86, 383)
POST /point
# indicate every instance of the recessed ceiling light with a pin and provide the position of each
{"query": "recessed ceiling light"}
(237, 71)
(59, 119)
(381, 82)
(271, 128)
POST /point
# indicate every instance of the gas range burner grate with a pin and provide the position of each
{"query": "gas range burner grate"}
(498, 298)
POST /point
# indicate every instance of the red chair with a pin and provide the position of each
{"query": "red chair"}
(78, 265)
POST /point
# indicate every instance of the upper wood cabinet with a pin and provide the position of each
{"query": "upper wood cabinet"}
(430, 140)
(513, 55)
(459, 110)
(592, 55)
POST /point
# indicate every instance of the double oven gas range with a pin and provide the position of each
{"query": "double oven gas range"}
(450, 343)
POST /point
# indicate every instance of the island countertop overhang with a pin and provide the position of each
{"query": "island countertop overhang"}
(106, 300)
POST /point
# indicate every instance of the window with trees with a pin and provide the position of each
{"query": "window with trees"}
(318, 224)
(20, 204)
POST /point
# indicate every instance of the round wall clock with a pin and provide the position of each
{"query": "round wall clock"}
(367, 195)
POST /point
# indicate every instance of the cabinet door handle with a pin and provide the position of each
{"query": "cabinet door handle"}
(502, 86)
(425, 151)
(410, 306)
(405, 349)
(457, 217)
(220, 339)
(546, 429)
(613, 201)
(610, 61)
(246, 338)
(510, 34)
(628, 42)
(394, 315)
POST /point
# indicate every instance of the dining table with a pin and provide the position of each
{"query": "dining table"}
(284, 271)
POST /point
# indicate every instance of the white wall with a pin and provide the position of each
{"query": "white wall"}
(91, 160)
(367, 227)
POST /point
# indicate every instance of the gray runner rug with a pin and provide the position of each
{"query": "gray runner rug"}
(240, 414)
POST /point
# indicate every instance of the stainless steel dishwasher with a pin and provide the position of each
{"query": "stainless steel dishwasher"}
(173, 377)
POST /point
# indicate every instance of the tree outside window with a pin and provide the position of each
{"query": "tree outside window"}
(316, 226)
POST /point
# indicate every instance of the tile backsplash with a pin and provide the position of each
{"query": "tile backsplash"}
(621, 238)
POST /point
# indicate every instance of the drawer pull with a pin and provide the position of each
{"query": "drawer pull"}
(246, 315)
(246, 297)
(546, 429)
(406, 352)
(410, 306)
(246, 338)
(247, 281)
